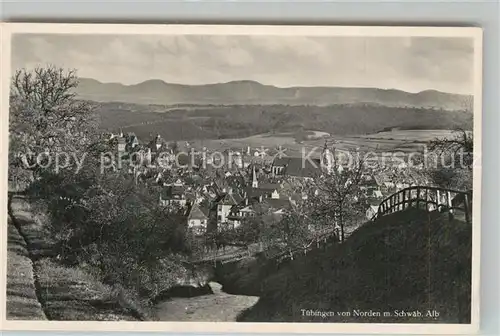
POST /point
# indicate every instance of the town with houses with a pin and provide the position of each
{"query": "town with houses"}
(216, 192)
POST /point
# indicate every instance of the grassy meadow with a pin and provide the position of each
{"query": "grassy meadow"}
(404, 141)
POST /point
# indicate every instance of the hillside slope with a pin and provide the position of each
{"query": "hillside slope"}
(251, 92)
(40, 287)
(409, 261)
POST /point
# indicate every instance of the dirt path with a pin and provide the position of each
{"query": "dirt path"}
(22, 300)
(217, 307)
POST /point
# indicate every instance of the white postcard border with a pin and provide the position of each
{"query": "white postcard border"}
(8, 29)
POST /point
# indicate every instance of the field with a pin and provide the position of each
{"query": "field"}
(396, 140)
(254, 122)
(393, 141)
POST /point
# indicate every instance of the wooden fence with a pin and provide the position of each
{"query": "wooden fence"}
(321, 240)
(428, 198)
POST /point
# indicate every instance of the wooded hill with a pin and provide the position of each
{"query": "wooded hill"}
(255, 93)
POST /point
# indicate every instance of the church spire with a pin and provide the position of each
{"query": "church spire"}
(326, 158)
(255, 183)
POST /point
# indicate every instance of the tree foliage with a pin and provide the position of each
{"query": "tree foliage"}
(454, 167)
(45, 116)
(335, 197)
(100, 219)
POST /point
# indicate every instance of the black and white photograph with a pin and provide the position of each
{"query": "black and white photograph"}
(296, 174)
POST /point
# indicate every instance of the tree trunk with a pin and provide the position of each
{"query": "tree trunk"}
(341, 221)
(9, 203)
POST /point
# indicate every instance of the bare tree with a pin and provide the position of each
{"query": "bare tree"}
(335, 196)
(468, 103)
(45, 114)
(454, 169)
(296, 229)
(462, 140)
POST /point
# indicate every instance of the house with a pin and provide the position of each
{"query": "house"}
(271, 186)
(233, 219)
(155, 144)
(197, 219)
(256, 194)
(371, 211)
(178, 182)
(224, 206)
(132, 141)
(165, 178)
(388, 185)
(210, 190)
(279, 165)
(246, 211)
(236, 182)
(278, 206)
(402, 185)
(121, 143)
(234, 159)
(371, 182)
(173, 195)
(194, 196)
(379, 180)
(233, 222)
(275, 194)
(260, 153)
(296, 167)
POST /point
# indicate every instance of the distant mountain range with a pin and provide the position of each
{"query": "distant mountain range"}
(251, 92)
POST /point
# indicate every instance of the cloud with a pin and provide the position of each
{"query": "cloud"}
(408, 63)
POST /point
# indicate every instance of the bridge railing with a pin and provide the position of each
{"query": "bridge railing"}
(428, 198)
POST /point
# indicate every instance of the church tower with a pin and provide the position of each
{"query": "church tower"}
(255, 183)
(326, 159)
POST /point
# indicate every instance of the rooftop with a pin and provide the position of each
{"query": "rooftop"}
(174, 191)
(196, 212)
(298, 167)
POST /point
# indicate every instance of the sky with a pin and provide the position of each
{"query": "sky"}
(411, 64)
